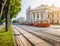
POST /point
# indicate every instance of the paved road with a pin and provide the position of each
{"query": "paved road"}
(1, 26)
(52, 30)
(37, 36)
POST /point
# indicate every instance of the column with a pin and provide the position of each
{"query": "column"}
(46, 16)
(55, 20)
(59, 18)
(32, 17)
(29, 16)
(39, 16)
(50, 18)
(35, 16)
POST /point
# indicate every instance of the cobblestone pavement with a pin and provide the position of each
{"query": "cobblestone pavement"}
(50, 36)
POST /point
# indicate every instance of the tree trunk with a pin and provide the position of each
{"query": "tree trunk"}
(2, 7)
(8, 19)
(8, 16)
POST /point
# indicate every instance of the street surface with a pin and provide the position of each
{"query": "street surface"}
(37, 36)
(1, 26)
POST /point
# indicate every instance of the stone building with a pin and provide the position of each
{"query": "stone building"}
(21, 20)
(43, 13)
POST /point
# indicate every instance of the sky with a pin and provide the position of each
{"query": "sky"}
(35, 3)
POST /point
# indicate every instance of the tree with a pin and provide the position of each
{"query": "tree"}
(15, 21)
(11, 9)
(2, 4)
(7, 15)
(14, 7)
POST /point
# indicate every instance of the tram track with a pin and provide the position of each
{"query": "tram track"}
(31, 44)
(51, 41)
(40, 37)
(35, 30)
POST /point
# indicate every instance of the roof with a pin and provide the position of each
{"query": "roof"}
(43, 8)
(46, 7)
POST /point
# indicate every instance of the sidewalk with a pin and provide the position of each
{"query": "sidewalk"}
(19, 39)
(55, 26)
(1, 26)
(54, 29)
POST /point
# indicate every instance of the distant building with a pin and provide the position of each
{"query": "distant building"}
(45, 13)
(21, 20)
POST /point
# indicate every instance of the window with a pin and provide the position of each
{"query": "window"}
(34, 14)
(37, 14)
(52, 15)
(41, 15)
(48, 15)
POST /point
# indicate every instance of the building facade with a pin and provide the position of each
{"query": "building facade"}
(43, 13)
(21, 20)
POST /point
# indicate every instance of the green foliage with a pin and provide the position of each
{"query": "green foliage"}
(6, 38)
(14, 7)
(2, 21)
(15, 21)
